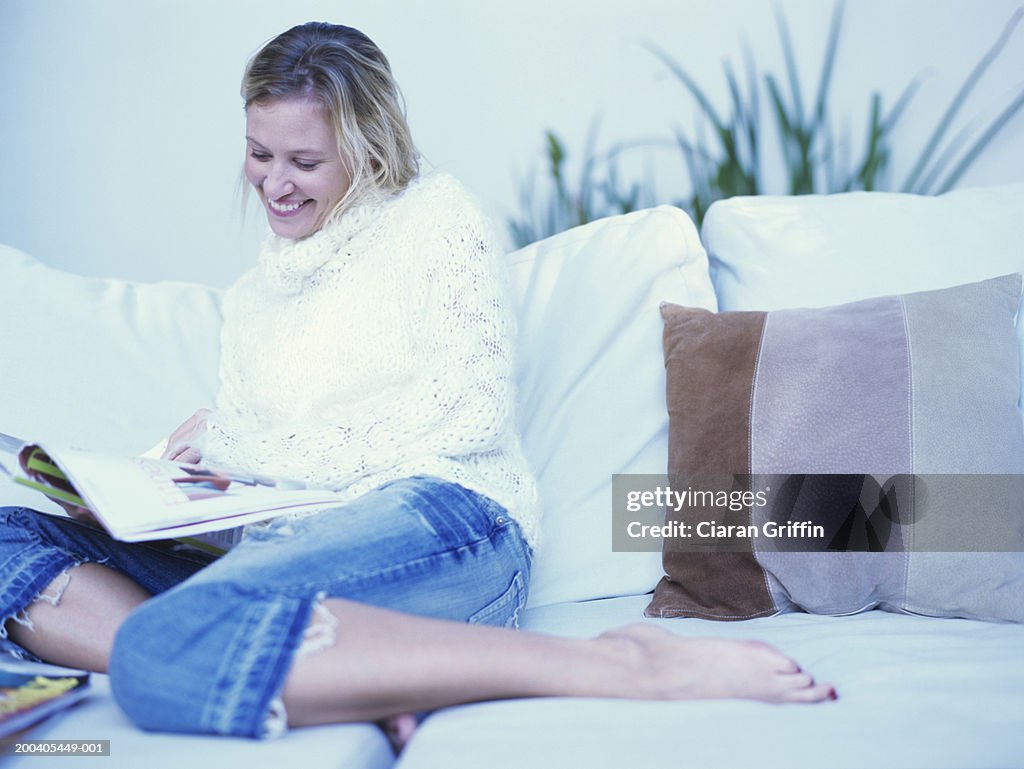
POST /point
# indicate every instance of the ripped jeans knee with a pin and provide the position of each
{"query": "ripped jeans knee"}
(51, 595)
(209, 657)
(320, 633)
(38, 555)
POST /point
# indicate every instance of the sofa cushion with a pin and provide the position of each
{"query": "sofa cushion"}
(102, 364)
(815, 409)
(592, 385)
(913, 692)
(772, 252)
(97, 717)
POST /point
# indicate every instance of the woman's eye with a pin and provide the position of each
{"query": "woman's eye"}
(303, 166)
(260, 156)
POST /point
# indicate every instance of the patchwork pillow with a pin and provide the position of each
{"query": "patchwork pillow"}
(897, 393)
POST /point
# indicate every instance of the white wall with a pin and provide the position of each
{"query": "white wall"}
(120, 123)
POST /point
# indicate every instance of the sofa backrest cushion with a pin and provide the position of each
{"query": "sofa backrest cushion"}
(592, 385)
(98, 363)
(776, 252)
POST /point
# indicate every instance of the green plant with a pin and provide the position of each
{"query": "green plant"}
(598, 192)
(815, 159)
(811, 154)
(930, 183)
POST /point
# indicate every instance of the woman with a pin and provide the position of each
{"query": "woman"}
(370, 349)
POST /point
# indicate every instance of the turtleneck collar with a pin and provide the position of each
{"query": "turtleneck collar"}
(290, 265)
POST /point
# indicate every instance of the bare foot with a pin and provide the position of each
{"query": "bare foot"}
(399, 729)
(667, 666)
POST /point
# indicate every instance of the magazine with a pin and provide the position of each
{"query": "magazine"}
(146, 498)
(30, 691)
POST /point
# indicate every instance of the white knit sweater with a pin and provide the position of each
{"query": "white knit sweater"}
(378, 348)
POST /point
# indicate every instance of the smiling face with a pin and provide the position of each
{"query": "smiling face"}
(294, 164)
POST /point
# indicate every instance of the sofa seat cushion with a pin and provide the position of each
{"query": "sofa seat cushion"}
(359, 746)
(913, 692)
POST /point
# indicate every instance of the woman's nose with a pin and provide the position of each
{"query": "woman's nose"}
(277, 183)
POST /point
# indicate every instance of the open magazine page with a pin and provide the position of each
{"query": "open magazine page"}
(30, 691)
(140, 498)
(17, 495)
(9, 444)
(9, 448)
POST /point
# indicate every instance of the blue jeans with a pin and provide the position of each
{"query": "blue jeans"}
(211, 649)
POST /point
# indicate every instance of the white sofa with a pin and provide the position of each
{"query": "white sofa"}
(115, 365)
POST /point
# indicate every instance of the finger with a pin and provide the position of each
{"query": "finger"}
(174, 443)
(81, 515)
(175, 451)
(187, 427)
(198, 419)
(190, 455)
(186, 454)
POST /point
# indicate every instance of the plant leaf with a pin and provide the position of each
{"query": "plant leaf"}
(901, 104)
(691, 85)
(791, 71)
(831, 47)
(753, 118)
(971, 155)
(958, 100)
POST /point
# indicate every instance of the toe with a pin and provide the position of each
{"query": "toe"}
(811, 693)
(780, 663)
(792, 681)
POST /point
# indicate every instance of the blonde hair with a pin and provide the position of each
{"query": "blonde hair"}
(346, 72)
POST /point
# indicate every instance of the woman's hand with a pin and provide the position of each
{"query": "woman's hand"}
(183, 444)
(80, 514)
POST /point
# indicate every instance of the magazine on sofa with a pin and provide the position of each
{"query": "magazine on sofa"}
(145, 498)
(30, 691)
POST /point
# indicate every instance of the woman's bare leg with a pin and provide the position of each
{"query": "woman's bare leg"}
(384, 663)
(74, 621)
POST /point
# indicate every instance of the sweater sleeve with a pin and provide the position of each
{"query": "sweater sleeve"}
(457, 402)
